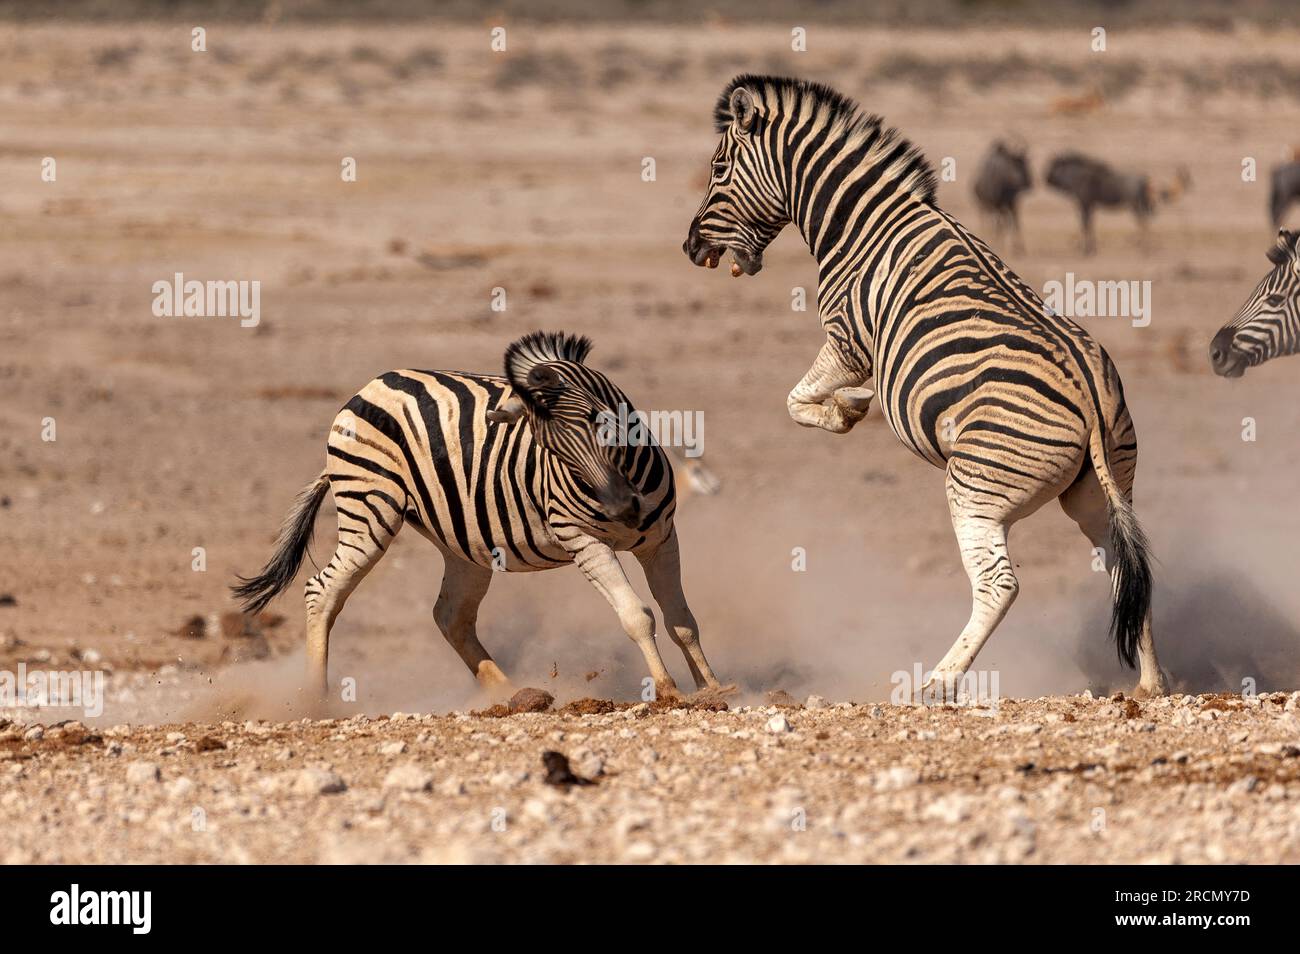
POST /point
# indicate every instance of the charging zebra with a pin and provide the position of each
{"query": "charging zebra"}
(1268, 324)
(1020, 406)
(498, 473)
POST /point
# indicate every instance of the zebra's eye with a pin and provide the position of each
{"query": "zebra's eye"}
(1274, 301)
(719, 171)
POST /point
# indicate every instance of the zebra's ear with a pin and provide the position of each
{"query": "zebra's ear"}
(743, 109)
(1284, 248)
(507, 413)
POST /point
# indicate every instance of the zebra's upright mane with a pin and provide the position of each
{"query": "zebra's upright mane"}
(541, 346)
(785, 96)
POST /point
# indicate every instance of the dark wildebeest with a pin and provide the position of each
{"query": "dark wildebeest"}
(1092, 183)
(1285, 190)
(1003, 175)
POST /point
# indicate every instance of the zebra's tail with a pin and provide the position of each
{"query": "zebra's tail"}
(1131, 559)
(295, 535)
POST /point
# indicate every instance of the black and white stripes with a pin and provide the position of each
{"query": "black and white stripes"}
(973, 373)
(501, 474)
(1268, 324)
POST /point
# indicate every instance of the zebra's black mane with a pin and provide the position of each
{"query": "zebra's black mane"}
(541, 346)
(1284, 248)
(783, 92)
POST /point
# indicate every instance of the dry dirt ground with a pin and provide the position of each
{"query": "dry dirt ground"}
(1207, 779)
(523, 170)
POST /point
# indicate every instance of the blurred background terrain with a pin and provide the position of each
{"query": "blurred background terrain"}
(522, 169)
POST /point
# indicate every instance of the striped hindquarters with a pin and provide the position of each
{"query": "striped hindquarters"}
(416, 446)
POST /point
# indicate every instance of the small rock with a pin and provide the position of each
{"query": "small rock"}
(814, 702)
(587, 763)
(507, 779)
(778, 724)
(639, 851)
(316, 781)
(142, 773)
(1244, 786)
(950, 809)
(559, 773)
(179, 788)
(34, 734)
(893, 779)
(196, 627)
(409, 778)
(531, 700)
(392, 748)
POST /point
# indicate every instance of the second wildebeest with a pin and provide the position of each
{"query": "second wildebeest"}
(1002, 177)
(1093, 183)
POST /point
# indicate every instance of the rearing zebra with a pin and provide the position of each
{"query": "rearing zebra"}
(1018, 405)
(508, 473)
(1268, 324)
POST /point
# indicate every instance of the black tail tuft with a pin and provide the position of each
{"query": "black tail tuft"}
(1132, 559)
(295, 535)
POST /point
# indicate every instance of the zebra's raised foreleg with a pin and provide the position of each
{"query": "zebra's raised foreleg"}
(830, 396)
(464, 585)
(664, 574)
(601, 567)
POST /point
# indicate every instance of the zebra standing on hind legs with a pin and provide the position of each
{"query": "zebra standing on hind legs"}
(1018, 405)
(506, 473)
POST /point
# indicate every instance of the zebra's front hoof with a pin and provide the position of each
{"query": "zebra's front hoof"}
(942, 688)
(854, 402)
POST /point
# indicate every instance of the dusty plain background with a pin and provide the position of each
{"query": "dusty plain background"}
(523, 170)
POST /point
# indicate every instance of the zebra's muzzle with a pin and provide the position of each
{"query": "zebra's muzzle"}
(699, 251)
(749, 264)
(622, 505)
(707, 256)
(1226, 360)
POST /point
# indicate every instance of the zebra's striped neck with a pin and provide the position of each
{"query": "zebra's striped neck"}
(847, 183)
(855, 215)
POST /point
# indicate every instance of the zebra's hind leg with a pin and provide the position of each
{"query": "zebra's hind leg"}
(981, 528)
(1085, 503)
(663, 571)
(601, 567)
(363, 540)
(464, 585)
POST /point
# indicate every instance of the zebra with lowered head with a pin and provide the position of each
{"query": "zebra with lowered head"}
(513, 473)
(1268, 324)
(974, 374)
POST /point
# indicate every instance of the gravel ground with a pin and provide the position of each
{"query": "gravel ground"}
(1209, 778)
